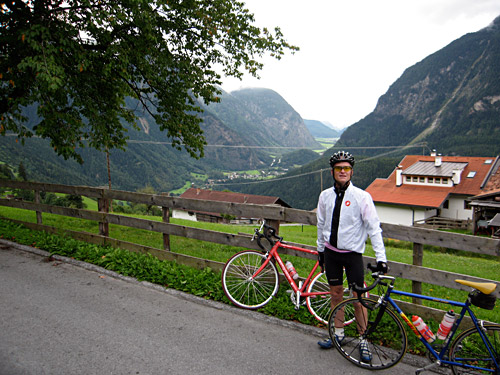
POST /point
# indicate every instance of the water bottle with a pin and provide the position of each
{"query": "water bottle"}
(424, 330)
(446, 324)
(291, 270)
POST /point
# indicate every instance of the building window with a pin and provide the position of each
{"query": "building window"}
(445, 181)
(488, 161)
(415, 179)
(467, 205)
(471, 174)
(430, 180)
(438, 180)
(446, 204)
(408, 179)
(422, 179)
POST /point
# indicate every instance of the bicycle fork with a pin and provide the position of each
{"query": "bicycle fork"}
(295, 296)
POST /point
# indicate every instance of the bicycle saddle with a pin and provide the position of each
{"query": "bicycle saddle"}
(486, 288)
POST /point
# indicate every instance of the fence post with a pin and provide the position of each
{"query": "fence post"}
(418, 257)
(103, 206)
(38, 213)
(166, 219)
(274, 224)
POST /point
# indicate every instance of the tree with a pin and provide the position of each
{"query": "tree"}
(75, 62)
(6, 172)
(22, 172)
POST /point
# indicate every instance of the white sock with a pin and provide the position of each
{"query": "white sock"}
(339, 332)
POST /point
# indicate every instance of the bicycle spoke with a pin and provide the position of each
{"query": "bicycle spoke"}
(382, 347)
(319, 305)
(240, 285)
(470, 350)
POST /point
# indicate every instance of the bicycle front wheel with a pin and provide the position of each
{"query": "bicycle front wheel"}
(469, 348)
(240, 285)
(382, 344)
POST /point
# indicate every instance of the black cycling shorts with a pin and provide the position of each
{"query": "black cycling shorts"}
(336, 262)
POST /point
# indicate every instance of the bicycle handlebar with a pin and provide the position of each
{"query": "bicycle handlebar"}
(378, 276)
(268, 232)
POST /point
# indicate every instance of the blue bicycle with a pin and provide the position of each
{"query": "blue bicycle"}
(378, 339)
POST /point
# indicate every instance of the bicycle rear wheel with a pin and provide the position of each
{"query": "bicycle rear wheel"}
(244, 290)
(468, 348)
(319, 305)
(387, 341)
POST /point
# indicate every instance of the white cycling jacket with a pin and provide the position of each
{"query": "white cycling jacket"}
(358, 220)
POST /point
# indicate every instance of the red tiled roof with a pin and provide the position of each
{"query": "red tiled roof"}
(224, 196)
(488, 193)
(386, 191)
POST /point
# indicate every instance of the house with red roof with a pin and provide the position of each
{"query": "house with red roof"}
(222, 196)
(425, 186)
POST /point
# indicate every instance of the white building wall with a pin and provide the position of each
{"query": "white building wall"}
(456, 209)
(402, 215)
(394, 215)
(179, 214)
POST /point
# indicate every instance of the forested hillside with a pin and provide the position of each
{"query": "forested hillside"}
(261, 118)
(301, 187)
(320, 130)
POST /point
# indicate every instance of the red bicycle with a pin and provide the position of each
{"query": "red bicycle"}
(250, 278)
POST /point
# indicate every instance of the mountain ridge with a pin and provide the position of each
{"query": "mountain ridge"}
(448, 95)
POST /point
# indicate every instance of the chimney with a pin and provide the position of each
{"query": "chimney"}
(437, 161)
(456, 176)
(433, 153)
(399, 175)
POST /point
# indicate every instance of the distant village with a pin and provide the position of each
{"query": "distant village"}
(274, 171)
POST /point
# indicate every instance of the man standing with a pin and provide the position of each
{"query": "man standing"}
(346, 216)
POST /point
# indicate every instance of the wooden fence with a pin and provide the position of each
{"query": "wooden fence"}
(272, 213)
(436, 222)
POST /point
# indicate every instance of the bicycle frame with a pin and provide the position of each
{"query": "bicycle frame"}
(299, 290)
(250, 281)
(465, 308)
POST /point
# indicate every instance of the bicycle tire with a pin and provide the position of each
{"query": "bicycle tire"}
(243, 290)
(387, 342)
(320, 306)
(469, 348)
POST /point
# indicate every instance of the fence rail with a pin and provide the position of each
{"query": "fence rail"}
(273, 213)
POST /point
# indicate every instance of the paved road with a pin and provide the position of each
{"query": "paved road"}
(72, 318)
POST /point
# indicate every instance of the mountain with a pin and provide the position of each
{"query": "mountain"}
(450, 100)
(320, 130)
(254, 117)
(263, 118)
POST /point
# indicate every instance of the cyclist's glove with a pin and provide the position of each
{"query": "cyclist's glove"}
(321, 260)
(382, 267)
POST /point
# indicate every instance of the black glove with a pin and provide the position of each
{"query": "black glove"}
(321, 260)
(382, 267)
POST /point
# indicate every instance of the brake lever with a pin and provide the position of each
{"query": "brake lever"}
(256, 232)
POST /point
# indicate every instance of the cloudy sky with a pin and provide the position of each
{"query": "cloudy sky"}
(352, 51)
